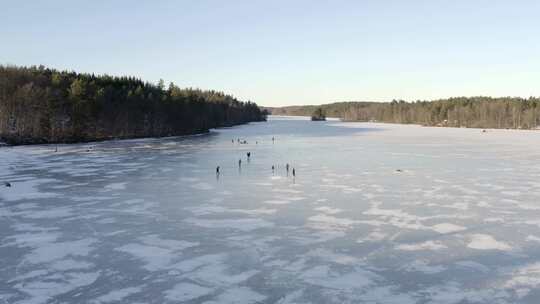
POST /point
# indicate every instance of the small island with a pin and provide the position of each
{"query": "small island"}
(318, 115)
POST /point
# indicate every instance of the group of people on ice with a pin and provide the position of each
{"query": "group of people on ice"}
(248, 154)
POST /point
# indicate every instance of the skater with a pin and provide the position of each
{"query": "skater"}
(293, 172)
(239, 163)
(272, 139)
(287, 168)
(217, 170)
(248, 155)
(273, 168)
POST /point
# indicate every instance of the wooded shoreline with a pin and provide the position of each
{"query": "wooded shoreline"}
(468, 112)
(39, 105)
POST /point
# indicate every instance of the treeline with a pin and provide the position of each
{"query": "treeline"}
(471, 112)
(41, 105)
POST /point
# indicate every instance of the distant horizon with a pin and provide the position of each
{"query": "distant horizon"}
(284, 53)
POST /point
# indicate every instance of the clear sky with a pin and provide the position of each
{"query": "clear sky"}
(289, 52)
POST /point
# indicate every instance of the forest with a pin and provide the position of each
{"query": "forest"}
(470, 112)
(42, 105)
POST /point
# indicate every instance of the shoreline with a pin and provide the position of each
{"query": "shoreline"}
(339, 119)
(4, 144)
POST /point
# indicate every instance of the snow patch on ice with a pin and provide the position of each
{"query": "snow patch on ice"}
(486, 242)
(210, 209)
(428, 245)
(328, 210)
(157, 253)
(242, 224)
(277, 202)
(238, 295)
(332, 220)
(423, 266)
(44, 291)
(524, 279)
(116, 186)
(323, 276)
(331, 256)
(117, 295)
(447, 228)
(532, 238)
(202, 186)
(186, 291)
(374, 236)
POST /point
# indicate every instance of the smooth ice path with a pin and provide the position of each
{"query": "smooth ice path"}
(148, 221)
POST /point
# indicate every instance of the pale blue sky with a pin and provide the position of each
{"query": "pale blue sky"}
(289, 52)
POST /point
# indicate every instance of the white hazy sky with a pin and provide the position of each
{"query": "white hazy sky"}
(289, 52)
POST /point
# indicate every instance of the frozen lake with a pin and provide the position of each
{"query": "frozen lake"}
(147, 221)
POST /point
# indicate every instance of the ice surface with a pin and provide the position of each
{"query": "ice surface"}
(116, 296)
(186, 291)
(238, 295)
(148, 220)
(242, 224)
